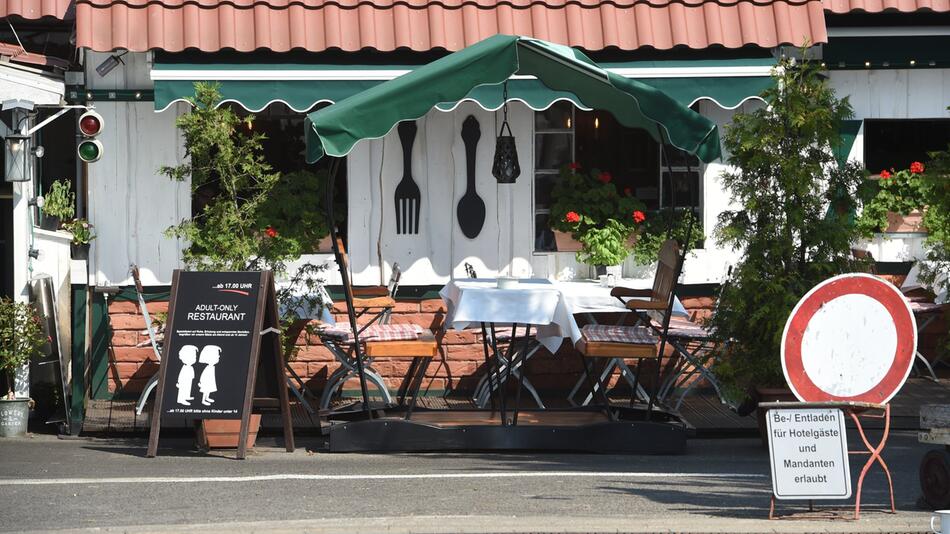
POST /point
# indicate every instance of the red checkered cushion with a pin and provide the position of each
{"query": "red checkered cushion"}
(639, 335)
(377, 332)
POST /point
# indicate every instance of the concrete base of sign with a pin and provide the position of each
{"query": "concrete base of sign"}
(856, 411)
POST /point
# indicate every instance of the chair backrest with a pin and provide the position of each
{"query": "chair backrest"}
(394, 280)
(665, 278)
(470, 271)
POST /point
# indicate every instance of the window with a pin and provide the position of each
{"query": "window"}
(897, 143)
(596, 140)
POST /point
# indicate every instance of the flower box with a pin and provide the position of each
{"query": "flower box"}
(898, 223)
(566, 242)
(224, 433)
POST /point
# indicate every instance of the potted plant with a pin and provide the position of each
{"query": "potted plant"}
(21, 336)
(894, 201)
(782, 176)
(59, 204)
(295, 210)
(588, 207)
(82, 235)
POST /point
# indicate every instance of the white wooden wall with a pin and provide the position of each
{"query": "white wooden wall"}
(130, 203)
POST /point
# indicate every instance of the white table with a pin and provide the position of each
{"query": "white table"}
(548, 306)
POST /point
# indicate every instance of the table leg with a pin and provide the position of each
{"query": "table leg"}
(524, 351)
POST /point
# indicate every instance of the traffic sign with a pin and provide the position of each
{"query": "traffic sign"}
(851, 338)
(808, 450)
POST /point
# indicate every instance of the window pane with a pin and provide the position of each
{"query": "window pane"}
(552, 151)
(897, 143)
(543, 184)
(685, 187)
(678, 158)
(558, 116)
(543, 236)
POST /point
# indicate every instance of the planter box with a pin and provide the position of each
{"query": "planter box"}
(566, 242)
(224, 433)
(912, 222)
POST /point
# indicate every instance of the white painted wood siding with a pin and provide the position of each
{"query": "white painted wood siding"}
(130, 203)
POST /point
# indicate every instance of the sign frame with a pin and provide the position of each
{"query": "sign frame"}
(266, 323)
(844, 458)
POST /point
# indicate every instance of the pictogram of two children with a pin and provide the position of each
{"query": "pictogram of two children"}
(210, 356)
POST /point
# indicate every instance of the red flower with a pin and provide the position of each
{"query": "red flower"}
(574, 166)
(270, 231)
(885, 175)
(916, 167)
(639, 216)
(627, 191)
(572, 217)
(605, 177)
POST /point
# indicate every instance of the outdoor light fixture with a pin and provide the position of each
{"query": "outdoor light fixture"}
(18, 164)
(110, 64)
(505, 167)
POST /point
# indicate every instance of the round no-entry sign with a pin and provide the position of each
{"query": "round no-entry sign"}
(851, 338)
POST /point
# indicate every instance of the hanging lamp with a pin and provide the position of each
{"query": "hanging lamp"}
(505, 167)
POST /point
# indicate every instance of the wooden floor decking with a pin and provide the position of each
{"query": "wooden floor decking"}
(703, 412)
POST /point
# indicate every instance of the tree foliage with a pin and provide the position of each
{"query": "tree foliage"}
(783, 177)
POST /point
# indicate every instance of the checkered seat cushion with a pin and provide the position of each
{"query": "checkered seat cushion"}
(342, 333)
(598, 333)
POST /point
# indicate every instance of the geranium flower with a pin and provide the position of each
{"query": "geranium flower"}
(270, 231)
(574, 166)
(572, 217)
(639, 216)
(605, 177)
(916, 167)
(885, 175)
(627, 191)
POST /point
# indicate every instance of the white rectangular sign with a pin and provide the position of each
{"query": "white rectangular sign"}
(808, 450)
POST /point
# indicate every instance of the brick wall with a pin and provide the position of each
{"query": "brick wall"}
(459, 368)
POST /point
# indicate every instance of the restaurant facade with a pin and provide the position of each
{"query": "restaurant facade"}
(280, 60)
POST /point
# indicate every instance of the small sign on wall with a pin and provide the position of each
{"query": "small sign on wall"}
(808, 451)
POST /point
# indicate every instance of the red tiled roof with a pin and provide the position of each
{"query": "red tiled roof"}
(385, 25)
(34, 9)
(878, 6)
(18, 55)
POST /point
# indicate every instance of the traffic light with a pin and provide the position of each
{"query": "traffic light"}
(90, 148)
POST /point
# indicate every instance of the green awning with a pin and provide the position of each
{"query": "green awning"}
(334, 130)
(301, 86)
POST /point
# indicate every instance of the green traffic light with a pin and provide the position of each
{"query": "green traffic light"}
(89, 151)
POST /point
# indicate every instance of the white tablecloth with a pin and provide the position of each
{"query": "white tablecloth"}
(548, 306)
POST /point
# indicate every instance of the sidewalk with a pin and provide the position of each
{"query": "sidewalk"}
(106, 485)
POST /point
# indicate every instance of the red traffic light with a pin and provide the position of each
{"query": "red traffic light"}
(90, 123)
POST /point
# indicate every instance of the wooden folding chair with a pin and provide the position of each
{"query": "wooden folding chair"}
(376, 339)
(640, 342)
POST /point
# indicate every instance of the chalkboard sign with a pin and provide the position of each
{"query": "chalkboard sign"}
(213, 350)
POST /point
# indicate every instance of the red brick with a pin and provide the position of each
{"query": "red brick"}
(459, 369)
(460, 337)
(125, 338)
(406, 307)
(123, 306)
(133, 354)
(127, 321)
(316, 353)
(433, 306)
(474, 352)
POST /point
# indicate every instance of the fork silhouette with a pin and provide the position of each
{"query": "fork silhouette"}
(408, 198)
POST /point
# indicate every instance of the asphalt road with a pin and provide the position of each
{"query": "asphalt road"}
(718, 486)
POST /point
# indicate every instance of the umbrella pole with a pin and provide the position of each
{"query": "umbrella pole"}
(347, 288)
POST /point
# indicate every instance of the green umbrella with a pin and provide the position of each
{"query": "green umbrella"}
(371, 114)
